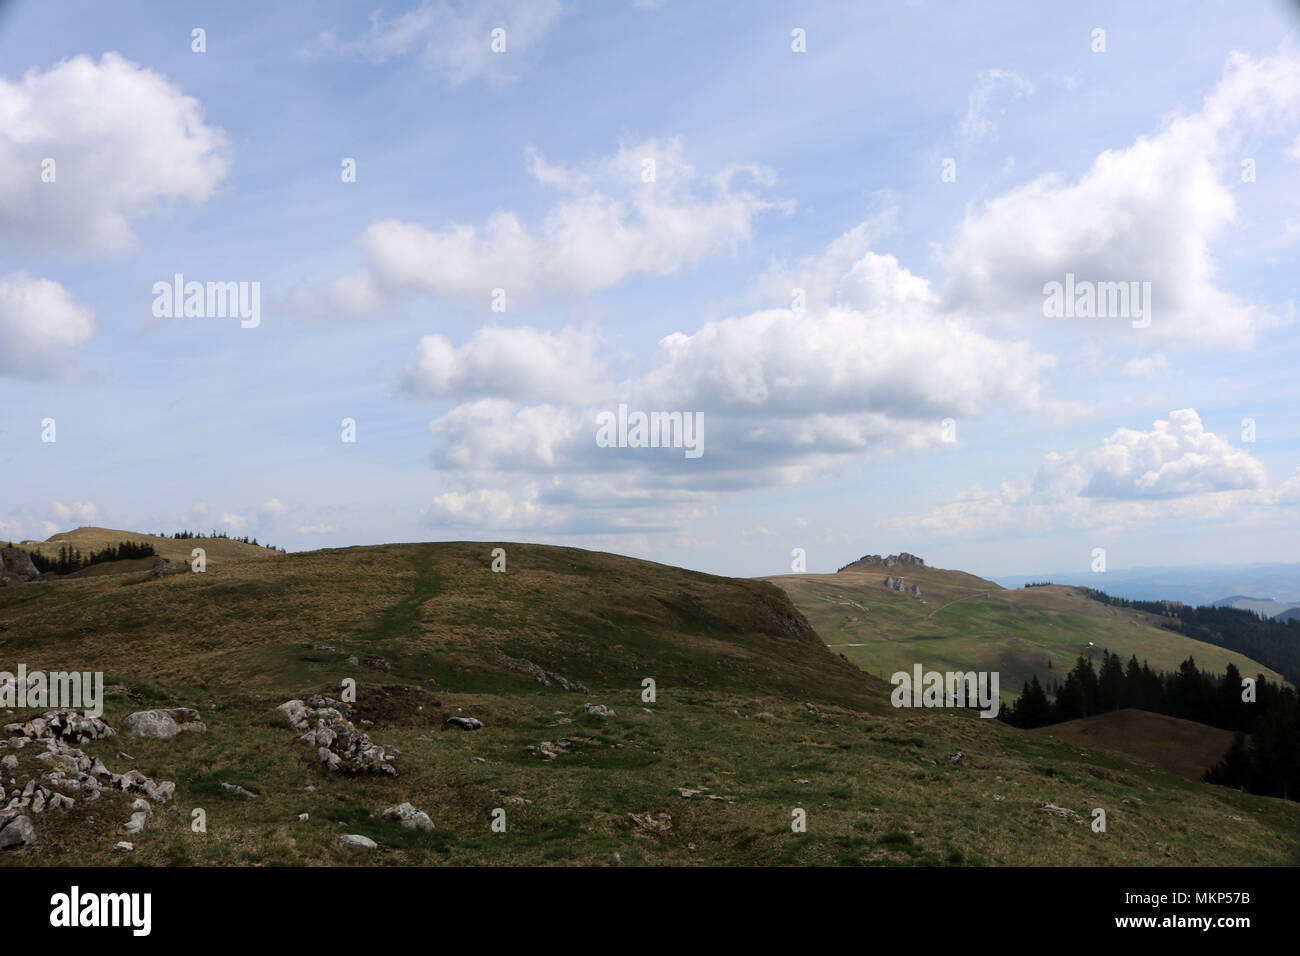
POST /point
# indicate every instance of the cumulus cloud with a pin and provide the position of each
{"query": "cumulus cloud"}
(453, 38)
(272, 508)
(1177, 457)
(612, 222)
(82, 512)
(1149, 213)
(486, 508)
(1176, 469)
(521, 363)
(40, 326)
(785, 393)
(110, 165)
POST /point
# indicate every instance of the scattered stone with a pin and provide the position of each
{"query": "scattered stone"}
(123, 846)
(9, 762)
(1063, 812)
(600, 710)
(957, 758)
(302, 818)
(143, 805)
(136, 823)
(409, 817)
(236, 788)
(653, 822)
(17, 832)
(544, 677)
(350, 840)
(164, 724)
(466, 723)
(477, 760)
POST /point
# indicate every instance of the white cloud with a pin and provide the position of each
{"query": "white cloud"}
(1178, 457)
(1176, 469)
(112, 164)
(1149, 213)
(521, 363)
(40, 325)
(785, 394)
(453, 38)
(83, 512)
(611, 225)
(272, 508)
(486, 508)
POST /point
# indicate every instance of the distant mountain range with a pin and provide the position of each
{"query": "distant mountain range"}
(1268, 585)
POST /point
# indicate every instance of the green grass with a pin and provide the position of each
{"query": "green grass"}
(957, 628)
(735, 668)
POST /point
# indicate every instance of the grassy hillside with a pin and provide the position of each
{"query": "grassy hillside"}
(752, 711)
(1179, 746)
(88, 540)
(963, 622)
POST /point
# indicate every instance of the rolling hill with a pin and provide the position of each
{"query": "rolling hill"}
(1179, 746)
(962, 622)
(90, 539)
(753, 718)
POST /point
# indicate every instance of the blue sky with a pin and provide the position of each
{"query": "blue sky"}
(774, 170)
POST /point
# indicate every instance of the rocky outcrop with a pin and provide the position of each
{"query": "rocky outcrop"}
(16, 567)
(164, 724)
(339, 745)
(65, 725)
(69, 770)
(544, 677)
(162, 567)
(900, 560)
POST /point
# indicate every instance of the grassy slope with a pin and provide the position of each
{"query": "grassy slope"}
(1014, 632)
(735, 670)
(90, 539)
(1179, 746)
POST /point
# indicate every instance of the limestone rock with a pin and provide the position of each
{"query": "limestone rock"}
(339, 745)
(409, 817)
(17, 832)
(164, 724)
(351, 840)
